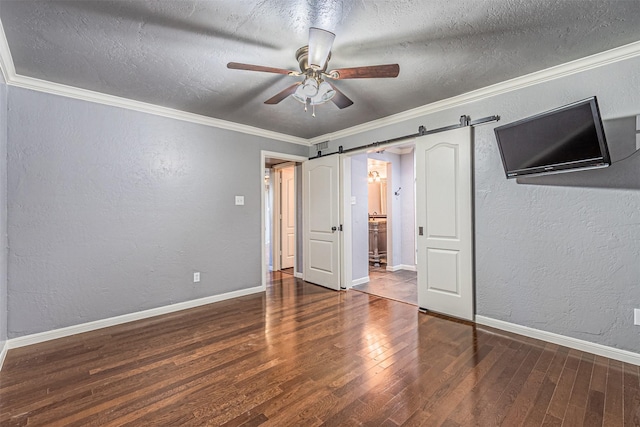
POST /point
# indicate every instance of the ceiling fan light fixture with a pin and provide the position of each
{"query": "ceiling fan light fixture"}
(299, 95)
(314, 92)
(313, 60)
(325, 93)
(310, 87)
(320, 42)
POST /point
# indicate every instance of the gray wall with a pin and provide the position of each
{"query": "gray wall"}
(408, 209)
(359, 217)
(111, 211)
(557, 253)
(3, 212)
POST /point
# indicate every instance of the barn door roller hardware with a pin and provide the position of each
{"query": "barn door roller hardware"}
(422, 131)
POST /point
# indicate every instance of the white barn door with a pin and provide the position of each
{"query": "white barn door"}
(321, 224)
(444, 219)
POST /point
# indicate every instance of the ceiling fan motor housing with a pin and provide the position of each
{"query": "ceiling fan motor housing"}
(302, 55)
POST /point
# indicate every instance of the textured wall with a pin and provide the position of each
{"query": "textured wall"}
(557, 253)
(111, 211)
(3, 212)
(408, 209)
(359, 217)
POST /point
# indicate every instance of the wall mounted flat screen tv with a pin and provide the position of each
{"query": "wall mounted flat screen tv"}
(561, 140)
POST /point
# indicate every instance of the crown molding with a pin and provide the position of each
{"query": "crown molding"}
(583, 64)
(14, 79)
(115, 101)
(621, 53)
(6, 62)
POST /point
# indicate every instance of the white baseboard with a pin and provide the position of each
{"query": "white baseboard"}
(401, 267)
(298, 275)
(3, 353)
(125, 318)
(360, 281)
(589, 347)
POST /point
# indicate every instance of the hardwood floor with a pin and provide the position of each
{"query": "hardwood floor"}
(304, 355)
(398, 285)
(287, 270)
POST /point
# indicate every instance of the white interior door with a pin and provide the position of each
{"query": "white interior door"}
(288, 218)
(444, 219)
(321, 224)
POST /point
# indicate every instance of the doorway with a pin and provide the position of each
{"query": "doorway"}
(442, 212)
(377, 210)
(382, 218)
(281, 214)
(283, 218)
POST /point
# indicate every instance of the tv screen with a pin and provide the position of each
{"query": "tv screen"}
(564, 139)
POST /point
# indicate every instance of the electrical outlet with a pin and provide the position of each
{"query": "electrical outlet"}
(196, 277)
(239, 200)
(636, 316)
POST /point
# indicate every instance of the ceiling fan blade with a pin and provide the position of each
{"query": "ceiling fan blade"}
(340, 99)
(320, 42)
(372, 71)
(283, 94)
(249, 67)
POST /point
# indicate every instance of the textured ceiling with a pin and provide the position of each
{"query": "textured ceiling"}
(174, 53)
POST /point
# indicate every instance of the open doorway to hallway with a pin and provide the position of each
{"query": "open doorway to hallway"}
(281, 214)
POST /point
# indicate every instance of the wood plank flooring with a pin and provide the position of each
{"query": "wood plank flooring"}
(303, 355)
(397, 285)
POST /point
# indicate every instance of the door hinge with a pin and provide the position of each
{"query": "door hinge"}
(420, 231)
(340, 228)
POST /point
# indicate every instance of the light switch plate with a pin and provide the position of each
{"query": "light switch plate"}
(239, 200)
(353, 200)
(636, 316)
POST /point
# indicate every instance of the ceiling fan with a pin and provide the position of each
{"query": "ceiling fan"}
(313, 59)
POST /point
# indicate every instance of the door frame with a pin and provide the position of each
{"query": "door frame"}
(345, 215)
(347, 258)
(264, 154)
(276, 246)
